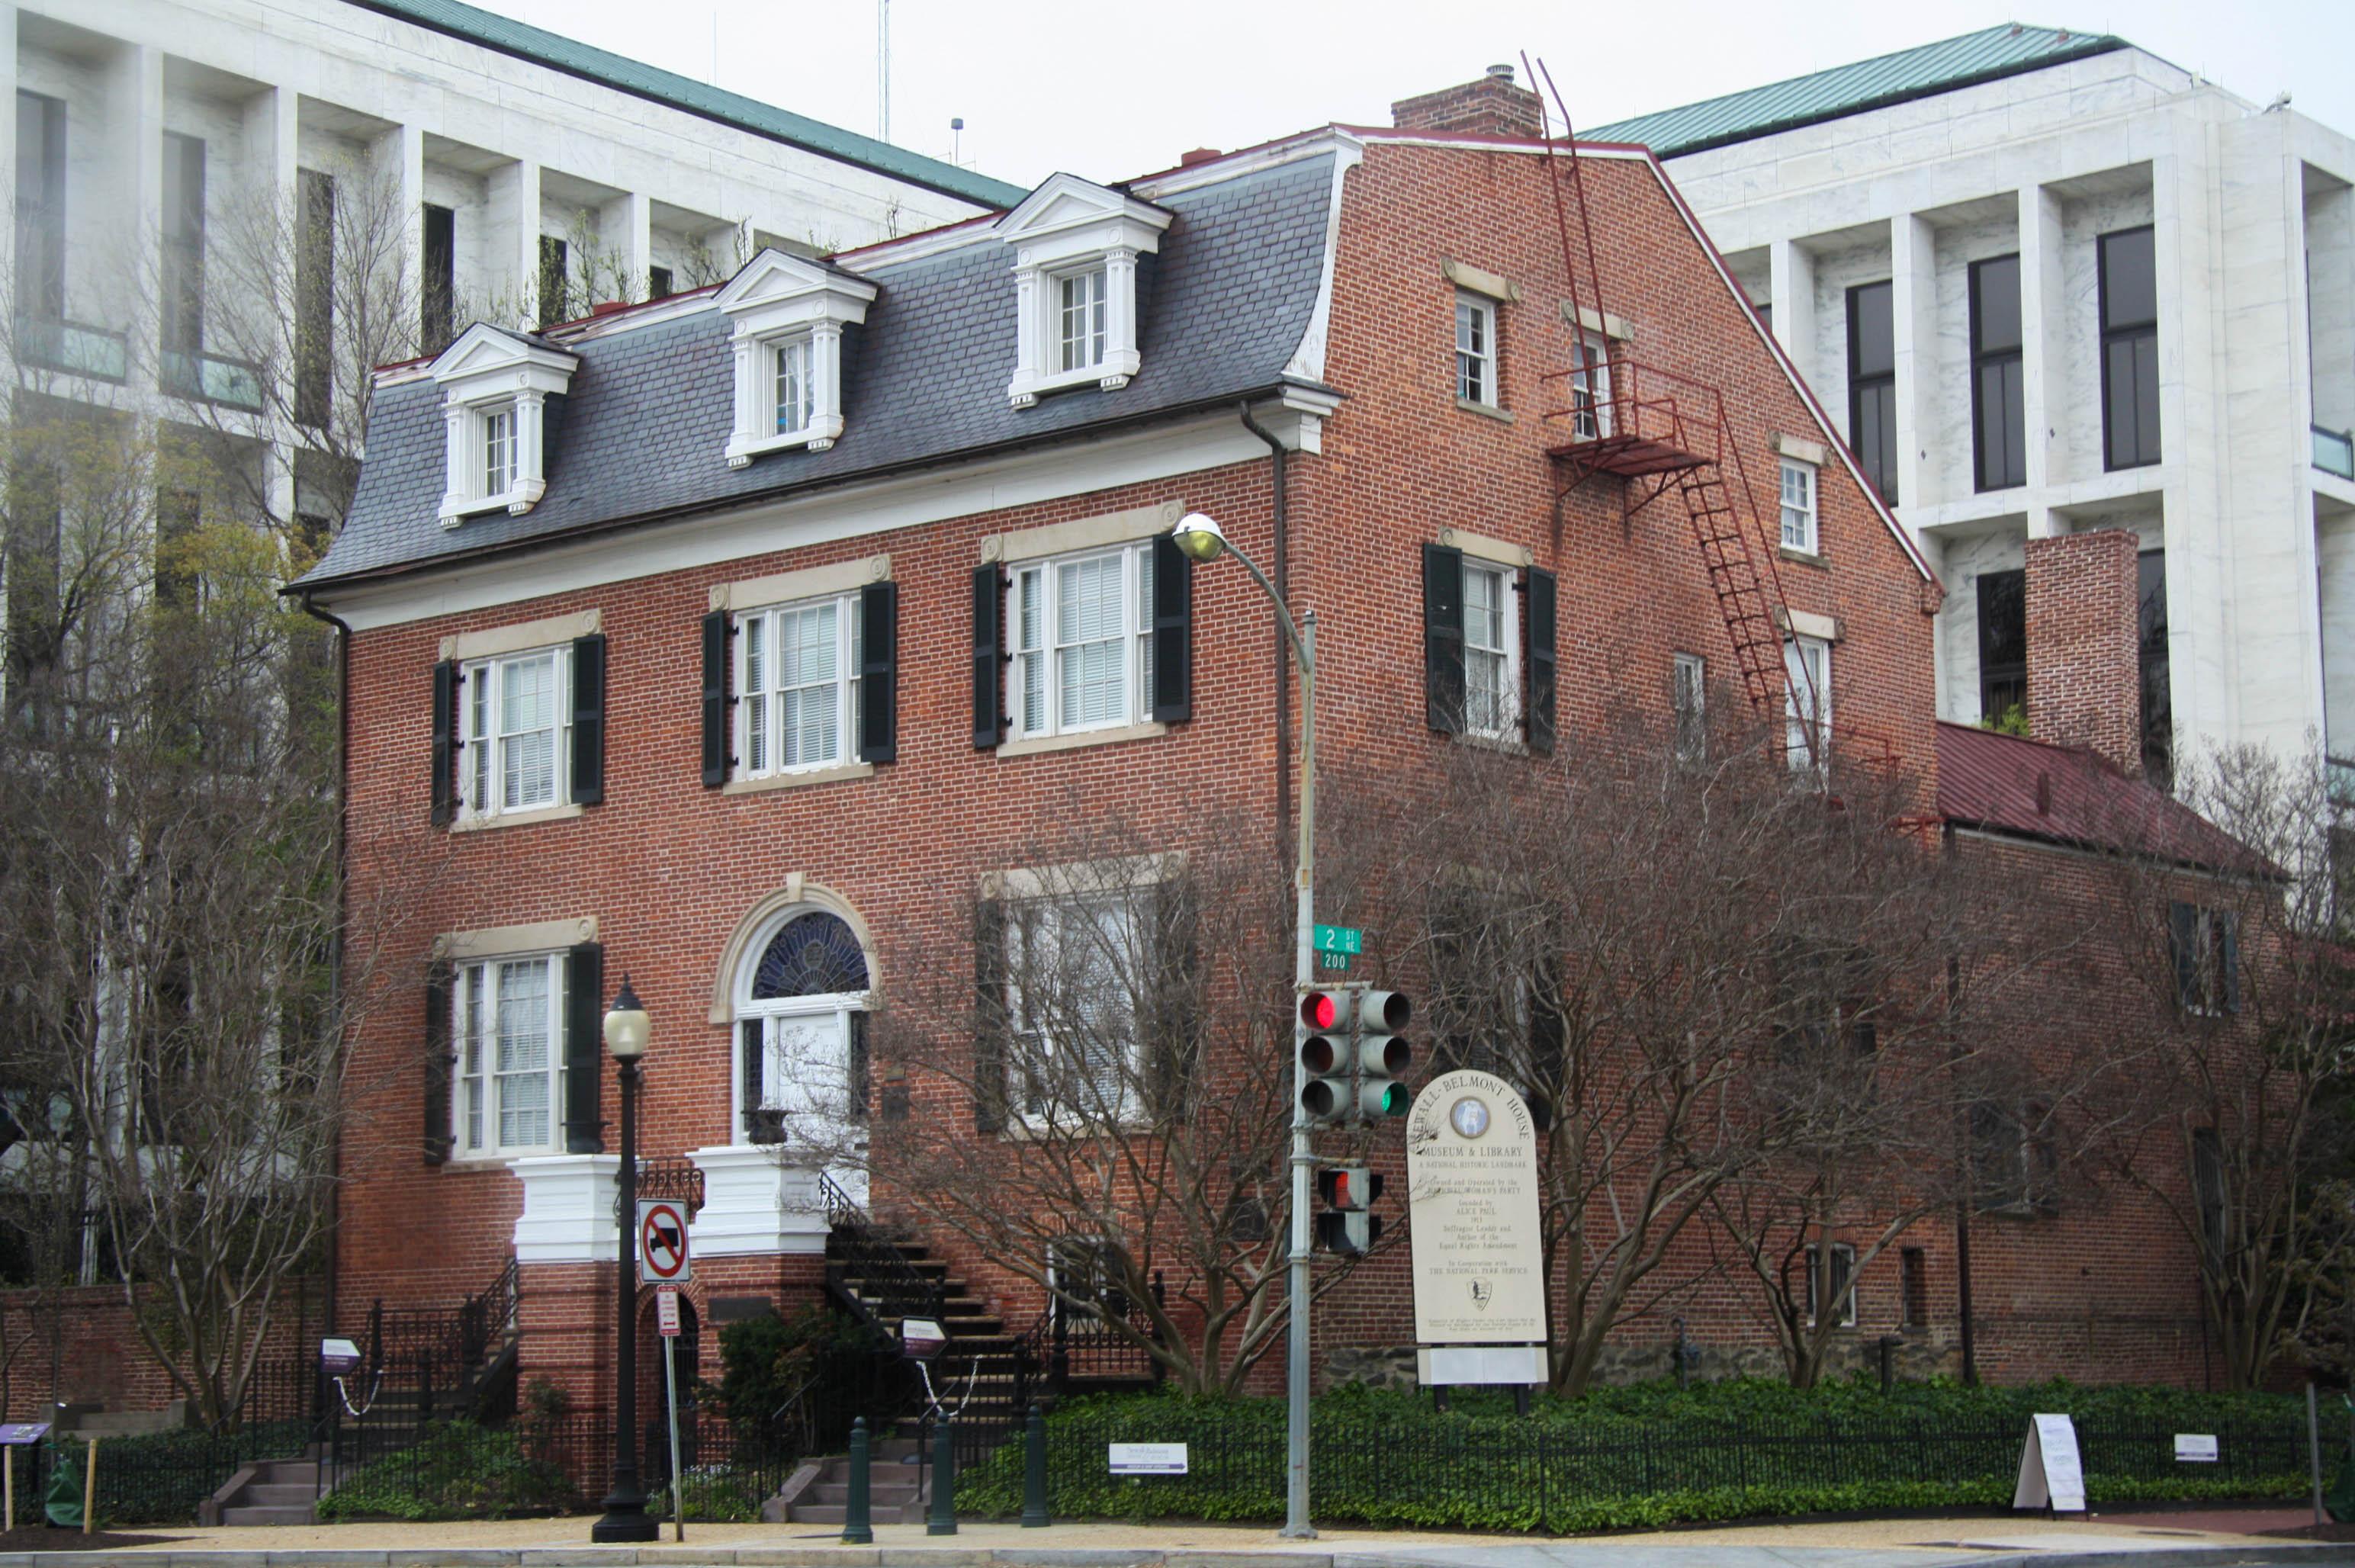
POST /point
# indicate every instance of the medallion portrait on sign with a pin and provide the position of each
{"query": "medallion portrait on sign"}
(1468, 1116)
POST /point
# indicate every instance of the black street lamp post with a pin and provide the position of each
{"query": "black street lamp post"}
(627, 1028)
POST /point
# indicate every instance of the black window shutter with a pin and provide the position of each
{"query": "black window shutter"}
(988, 656)
(2228, 958)
(445, 742)
(1443, 638)
(1175, 1041)
(439, 1061)
(589, 719)
(862, 1068)
(1538, 669)
(2183, 947)
(990, 1023)
(878, 672)
(752, 1054)
(716, 758)
(584, 1048)
(1173, 633)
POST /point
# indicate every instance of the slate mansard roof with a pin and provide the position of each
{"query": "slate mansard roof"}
(1988, 54)
(642, 432)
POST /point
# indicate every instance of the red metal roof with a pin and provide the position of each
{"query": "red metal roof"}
(2068, 795)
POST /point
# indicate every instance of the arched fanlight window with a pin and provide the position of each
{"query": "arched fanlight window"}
(813, 954)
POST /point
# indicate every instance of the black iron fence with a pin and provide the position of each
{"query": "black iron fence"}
(387, 1465)
(153, 1477)
(1433, 1470)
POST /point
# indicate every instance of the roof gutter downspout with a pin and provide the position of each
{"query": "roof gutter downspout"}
(335, 947)
(1277, 457)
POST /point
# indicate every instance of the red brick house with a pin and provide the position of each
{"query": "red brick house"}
(713, 641)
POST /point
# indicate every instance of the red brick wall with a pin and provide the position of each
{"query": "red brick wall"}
(670, 868)
(79, 1346)
(1492, 106)
(2084, 675)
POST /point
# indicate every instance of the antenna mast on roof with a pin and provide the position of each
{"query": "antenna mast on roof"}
(883, 70)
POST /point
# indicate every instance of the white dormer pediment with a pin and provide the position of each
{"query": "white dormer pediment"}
(495, 388)
(788, 313)
(1075, 249)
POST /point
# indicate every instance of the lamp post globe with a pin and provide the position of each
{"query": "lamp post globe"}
(1199, 536)
(627, 1032)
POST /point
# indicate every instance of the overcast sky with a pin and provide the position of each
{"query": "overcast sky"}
(1113, 91)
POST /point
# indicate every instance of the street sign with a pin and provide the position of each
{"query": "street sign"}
(1338, 939)
(667, 1310)
(1333, 961)
(19, 1433)
(661, 1242)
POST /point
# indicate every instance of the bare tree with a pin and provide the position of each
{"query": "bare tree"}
(1123, 1053)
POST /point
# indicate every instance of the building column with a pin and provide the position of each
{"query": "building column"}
(511, 250)
(1913, 320)
(397, 160)
(9, 136)
(1791, 286)
(625, 229)
(2045, 371)
(135, 107)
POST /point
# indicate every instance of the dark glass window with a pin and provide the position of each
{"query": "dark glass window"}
(314, 297)
(2158, 705)
(1913, 1288)
(440, 276)
(2129, 290)
(2003, 645)
(658, 283)
(40, 207)
(1873, 384)
(1998, 421)
(183, 246)
(177, 513)
(815, 954)
(554, 279)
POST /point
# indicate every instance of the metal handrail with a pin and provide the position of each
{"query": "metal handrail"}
(875, 1256)
(674, 1177)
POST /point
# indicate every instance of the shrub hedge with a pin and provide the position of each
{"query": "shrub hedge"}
(1644, 1456)
(455, 1470)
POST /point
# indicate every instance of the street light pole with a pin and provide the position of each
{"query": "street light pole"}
(625, 1519)
(1202, 540)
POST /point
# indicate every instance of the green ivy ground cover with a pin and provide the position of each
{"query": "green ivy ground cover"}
(1650, 1455)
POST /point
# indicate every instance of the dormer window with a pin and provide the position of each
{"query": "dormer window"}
(789, 313)
(496, 386)
(1076, 246)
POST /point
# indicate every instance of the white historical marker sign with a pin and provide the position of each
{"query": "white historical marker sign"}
(1472, 1191)
(1147, 1458)
(2195, 1448)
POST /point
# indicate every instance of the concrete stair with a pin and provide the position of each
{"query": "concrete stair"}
(898, 1489)
(267, 1491)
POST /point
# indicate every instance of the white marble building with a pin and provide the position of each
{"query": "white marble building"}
(2169, 348)
(145, 126)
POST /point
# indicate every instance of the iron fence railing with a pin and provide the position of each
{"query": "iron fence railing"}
(155, 1477)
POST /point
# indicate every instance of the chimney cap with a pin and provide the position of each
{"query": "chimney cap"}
(1197, 155)
(1501, 72)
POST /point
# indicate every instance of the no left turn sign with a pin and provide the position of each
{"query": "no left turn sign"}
(661, 1242)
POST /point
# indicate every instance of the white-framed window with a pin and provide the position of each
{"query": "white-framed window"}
(1843, 1283)
(518, 720)
(802, 1066)
(1079, 316)
(1475, 349)
(1590, 388)
(796, 385)
(2205, 944)
(496, 430)
(1799, 506)
(1071, 965)
(797, 684)
(1082, 641)
(508, 1024)
(1808, 702)
(1492, 652)
(1689, 699)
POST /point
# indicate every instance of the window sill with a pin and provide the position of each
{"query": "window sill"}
(1488, 411)
(1113, 737)
(518, 819)
(1803, 557)
(835, 773)
(1106, 376)
(1510, 745)
(818, 437)
(483, 1164)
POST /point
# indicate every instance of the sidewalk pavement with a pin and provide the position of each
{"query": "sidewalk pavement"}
(2185, 1539)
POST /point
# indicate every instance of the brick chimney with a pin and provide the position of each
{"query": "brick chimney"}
(1492, 106)
(2084, 670)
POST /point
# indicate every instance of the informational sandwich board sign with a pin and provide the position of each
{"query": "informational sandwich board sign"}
(1472, 1194)
(2050, 1474)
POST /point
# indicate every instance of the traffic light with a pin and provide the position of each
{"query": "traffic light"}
(1322, 1041)
(1345, 1229)
(1383, 1055)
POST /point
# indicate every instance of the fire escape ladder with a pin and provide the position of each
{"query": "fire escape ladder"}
(1743, 598)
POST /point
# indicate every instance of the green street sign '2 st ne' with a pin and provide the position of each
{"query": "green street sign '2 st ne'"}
(1339, 939)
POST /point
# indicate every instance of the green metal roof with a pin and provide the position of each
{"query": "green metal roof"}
(635, 77)
(2004, 50)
